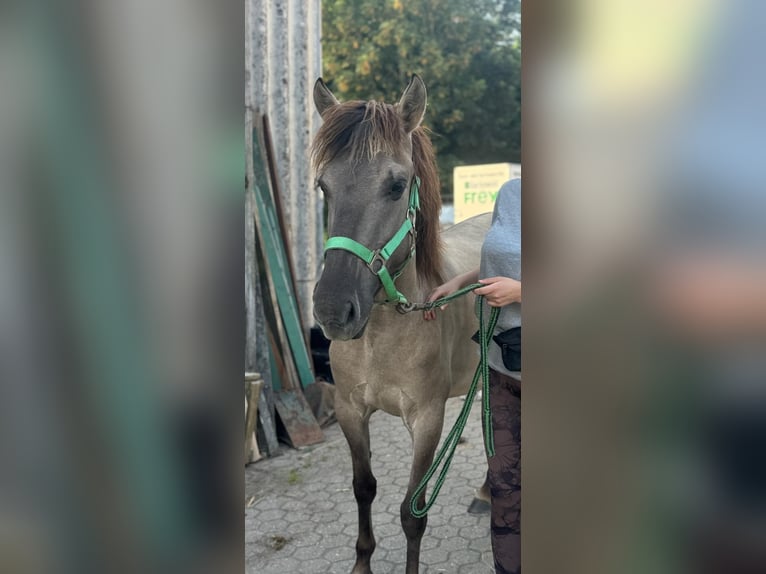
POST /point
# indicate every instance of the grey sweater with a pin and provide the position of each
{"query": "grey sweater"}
(501, 256)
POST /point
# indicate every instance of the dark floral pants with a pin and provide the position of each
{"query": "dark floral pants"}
(505, 472)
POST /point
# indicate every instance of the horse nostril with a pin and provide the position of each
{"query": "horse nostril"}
(350, 313)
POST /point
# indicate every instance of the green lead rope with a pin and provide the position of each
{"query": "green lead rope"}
(447, 451)
(444, 300)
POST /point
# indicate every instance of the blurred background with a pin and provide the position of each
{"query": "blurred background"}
(644, 278)
(122, 159)
(122, 328)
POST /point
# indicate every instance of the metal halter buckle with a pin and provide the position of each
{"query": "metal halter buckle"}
(379, 258)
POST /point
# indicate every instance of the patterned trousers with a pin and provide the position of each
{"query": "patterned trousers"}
(505, 472)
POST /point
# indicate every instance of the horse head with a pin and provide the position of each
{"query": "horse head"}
(365, 157)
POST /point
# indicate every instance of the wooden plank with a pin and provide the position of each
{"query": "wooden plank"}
(297, 418)
(253, 394)
(266, 431)
(267, 227)
(276, 192)
(251, 338)
(279, 367)
(278, 342)
(281, 315)
(266, 428)
(286, 302)
(256, 351)
(300, 423)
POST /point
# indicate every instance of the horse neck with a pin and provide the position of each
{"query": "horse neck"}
(411, 285)
(408, 283)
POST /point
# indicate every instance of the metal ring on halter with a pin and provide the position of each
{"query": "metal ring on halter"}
(376, 256)
(405, 308)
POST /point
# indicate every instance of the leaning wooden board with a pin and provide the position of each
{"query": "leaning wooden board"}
(276, 193)
(275, 251)
(281, 312)
(298, 421)
(256, 355)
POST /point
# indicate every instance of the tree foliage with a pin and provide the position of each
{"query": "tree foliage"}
(468, 53)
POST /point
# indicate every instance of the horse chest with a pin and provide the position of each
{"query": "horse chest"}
(373, 373)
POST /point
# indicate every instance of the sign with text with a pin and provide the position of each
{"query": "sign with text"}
(475, 187)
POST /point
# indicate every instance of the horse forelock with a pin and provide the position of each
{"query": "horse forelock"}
(365, 129)
(361, 129)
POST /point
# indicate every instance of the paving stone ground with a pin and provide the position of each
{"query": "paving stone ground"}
(300, 513)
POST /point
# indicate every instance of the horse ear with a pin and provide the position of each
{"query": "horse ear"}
(412, 104)
(323, 98)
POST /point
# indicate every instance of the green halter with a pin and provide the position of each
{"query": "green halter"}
(376, 260)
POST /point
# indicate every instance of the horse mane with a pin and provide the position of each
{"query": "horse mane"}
(365, 129)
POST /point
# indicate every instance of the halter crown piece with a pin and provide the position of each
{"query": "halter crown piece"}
(376, 259)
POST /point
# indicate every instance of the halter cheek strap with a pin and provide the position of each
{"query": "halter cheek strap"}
(377, 259)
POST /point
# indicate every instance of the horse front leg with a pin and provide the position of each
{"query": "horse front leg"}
(425, 432)
(356, 429)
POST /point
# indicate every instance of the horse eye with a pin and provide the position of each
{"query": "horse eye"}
(397, 189)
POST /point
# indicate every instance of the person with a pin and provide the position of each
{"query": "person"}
(500, 274)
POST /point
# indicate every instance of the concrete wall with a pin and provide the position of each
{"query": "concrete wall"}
(282, 62)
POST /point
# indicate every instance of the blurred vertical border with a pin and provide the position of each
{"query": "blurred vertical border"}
(121, 293)
(644, 406)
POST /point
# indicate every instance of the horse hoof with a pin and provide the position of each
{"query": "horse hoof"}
(478, 506)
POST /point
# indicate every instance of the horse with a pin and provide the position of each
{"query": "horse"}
(375, 165)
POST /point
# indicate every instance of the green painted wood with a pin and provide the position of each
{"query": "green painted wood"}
(275, 251)
(276, 380)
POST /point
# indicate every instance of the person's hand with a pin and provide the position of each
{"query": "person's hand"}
(441, 291)
(500, 291)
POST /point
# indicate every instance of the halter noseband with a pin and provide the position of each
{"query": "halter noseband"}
(376, 259)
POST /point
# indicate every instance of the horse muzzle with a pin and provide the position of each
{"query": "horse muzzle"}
(339, 318)
(343, 296)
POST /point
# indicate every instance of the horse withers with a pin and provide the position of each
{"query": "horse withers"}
(376, 168)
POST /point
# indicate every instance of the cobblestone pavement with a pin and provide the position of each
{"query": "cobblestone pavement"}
(300, 513)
